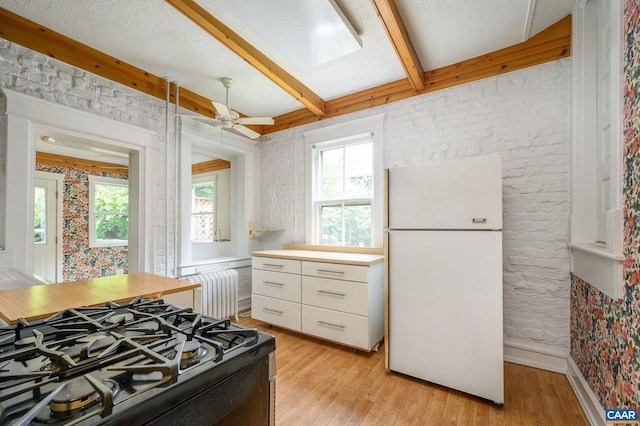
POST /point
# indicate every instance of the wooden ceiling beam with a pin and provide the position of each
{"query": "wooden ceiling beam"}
(210, 166)
(551, 44)
(80, 163)
(31, 35)
(253, 56)
(396, 31)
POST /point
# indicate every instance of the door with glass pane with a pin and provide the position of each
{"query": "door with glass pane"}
(45, 228)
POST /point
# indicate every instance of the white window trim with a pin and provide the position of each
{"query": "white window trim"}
(93, 180)
(598, 264)
(26, 114)
(372, 125)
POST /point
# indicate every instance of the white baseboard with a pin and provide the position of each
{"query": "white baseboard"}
(535, 357)
(588, 400)
(244, 303)
(558, 362)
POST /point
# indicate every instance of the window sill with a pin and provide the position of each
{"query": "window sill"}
(600, 268)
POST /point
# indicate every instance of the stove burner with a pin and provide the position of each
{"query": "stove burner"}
(191, 353)
(147, 327)
(76, 396)
(120, 318)
(23, 343)
(190, 349)
(27, 342)
(101, 364)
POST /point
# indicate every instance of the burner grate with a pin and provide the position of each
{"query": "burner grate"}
(113, 354)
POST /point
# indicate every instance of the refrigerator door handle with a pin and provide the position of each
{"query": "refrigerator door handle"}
(479, 220)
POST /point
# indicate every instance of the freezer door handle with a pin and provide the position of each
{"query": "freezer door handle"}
(479, 220)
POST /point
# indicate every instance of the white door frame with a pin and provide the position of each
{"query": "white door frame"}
(59, 178)
(26, 114)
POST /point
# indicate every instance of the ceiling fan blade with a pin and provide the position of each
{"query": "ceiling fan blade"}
(196, 117)
(213, 130)
(246, 131)
(256, 120)
(221, 109)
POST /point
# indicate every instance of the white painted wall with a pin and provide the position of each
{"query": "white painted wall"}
(526, 116)
(523, 114)
(39, 76)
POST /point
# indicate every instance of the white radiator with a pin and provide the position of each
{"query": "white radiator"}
(219, 292)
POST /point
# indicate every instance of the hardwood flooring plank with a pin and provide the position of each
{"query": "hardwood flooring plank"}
(325, 384)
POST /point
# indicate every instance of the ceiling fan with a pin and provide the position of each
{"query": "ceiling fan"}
(230, 119)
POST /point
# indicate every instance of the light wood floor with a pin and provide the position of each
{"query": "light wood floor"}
(321, 383)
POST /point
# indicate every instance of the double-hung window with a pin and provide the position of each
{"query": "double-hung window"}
(203, 209)
(108, 211)
(345, 184)
(344, 191)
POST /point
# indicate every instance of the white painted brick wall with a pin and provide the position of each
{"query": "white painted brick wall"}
(40, 76)
(523, 114)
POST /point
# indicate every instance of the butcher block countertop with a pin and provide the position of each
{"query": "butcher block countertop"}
(325, 254)
(42, 301)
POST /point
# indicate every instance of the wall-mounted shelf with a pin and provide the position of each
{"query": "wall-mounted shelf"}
(263, 231)
(258, 232)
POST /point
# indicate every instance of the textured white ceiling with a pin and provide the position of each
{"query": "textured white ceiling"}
(152, 35)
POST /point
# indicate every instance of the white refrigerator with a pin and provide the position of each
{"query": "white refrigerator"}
(443, 240)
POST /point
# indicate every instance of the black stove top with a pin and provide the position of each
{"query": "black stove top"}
(101, 365)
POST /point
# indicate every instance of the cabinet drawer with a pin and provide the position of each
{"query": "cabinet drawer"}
(276, 284)
(276, 311)
(346, 296)
(336, 271)
(340, 327)
(276, 264)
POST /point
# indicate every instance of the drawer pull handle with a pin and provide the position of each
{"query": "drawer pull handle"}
(273, 265)
(330, 324)
(272, 283)
(329, 271)
(275, 311)
(332, 293)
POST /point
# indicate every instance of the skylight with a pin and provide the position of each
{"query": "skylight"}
(306, 32)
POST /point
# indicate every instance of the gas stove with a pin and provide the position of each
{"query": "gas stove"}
(143, 362)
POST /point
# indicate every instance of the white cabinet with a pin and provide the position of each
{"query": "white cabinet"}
(275, 291)
(337, 297)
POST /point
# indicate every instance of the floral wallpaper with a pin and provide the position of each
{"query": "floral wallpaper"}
(79, 260)
(605, 333)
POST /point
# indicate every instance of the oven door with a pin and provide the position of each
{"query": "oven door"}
(246, 397)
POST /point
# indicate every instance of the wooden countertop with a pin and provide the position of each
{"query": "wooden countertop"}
(323, 256)
(42, 301)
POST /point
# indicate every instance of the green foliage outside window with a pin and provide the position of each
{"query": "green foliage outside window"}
(39, 230)
(111, 206)
(346, 191)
